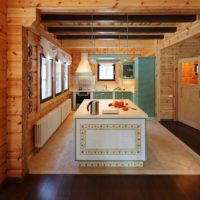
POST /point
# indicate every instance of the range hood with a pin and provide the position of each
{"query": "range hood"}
(84, 66)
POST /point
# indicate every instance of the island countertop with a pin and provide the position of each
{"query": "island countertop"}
(103, 105)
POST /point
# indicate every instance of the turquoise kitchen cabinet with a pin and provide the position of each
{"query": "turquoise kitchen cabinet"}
(145, 84)
(128, 70)
(102, 95)
(124, 95)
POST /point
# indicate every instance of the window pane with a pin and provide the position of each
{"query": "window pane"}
(106, 71)
(58, 77)
(189, 72)
(46, 78)
(66, 77)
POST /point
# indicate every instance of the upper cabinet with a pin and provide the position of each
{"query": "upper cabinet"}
(128, 70)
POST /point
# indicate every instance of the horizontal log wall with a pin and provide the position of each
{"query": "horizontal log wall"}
(169, 74)
(38, 111)
(3, 66)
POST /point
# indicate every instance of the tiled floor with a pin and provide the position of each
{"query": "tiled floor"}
(166, 154)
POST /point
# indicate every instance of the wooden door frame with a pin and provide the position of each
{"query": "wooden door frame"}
(179, 79)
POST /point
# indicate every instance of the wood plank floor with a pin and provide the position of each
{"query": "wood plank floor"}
(178, 159)
(112, 187)
(104, 187)
(185, 133)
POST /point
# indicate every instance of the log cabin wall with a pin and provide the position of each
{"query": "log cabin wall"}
(19, 121)
(169, 58)
(3, 71)
(23, 13)
(37, 110)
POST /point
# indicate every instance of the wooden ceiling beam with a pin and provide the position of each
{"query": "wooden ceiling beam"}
(89, 30)
(109, 37)
(118, 18)
(110, 24)
(192, 30)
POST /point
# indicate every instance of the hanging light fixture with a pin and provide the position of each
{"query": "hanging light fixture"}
(93, 37)
(127, 35)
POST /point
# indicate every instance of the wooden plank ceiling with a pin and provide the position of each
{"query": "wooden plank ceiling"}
(102, 26)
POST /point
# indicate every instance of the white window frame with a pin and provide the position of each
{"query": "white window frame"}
(99, 71)
(65, 66)
(50, 79)
(58, 78)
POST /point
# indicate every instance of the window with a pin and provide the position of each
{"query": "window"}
(58, 78)
(65, 77)
(46, 81)
(189, 72)
(106, 72)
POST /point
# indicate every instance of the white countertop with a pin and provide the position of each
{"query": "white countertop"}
(103, 105)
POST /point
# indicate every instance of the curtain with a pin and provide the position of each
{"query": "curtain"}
(51, 51)
(64, 57)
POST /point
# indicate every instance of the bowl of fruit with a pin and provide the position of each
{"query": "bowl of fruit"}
(120, 104)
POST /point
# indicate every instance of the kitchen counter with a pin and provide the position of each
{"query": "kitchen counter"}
(103, 105)
(95, 90)
(101, 94)
(110, 140)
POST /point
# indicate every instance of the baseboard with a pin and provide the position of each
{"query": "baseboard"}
(169, 120)
(18, 179)
(2, 184)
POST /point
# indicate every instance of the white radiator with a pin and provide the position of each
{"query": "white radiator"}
(47, 125)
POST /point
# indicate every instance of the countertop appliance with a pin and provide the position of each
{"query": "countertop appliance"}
(79, 97)
(93, 107)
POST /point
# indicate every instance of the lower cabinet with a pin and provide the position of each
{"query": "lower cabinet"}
(114, 95)
(124, 95)
(103, 95)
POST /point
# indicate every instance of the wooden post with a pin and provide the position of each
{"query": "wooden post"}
(16, 105)
(3, 77)
(158, 85)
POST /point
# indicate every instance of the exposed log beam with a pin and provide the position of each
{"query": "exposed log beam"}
(115, 44)
(109, 37)
(89, 30)
(110, 24)
(183, 34)
(118, 18)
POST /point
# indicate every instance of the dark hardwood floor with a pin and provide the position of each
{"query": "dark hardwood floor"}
(104, 187)
(186, 134)
(113, 187)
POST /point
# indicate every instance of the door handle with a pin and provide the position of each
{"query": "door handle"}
(181, 92)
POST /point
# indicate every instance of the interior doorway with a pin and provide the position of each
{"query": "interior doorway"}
(189, 92)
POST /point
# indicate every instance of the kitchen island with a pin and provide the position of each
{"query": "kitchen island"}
(110, 140)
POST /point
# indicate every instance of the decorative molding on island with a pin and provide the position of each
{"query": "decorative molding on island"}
(110, 140)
